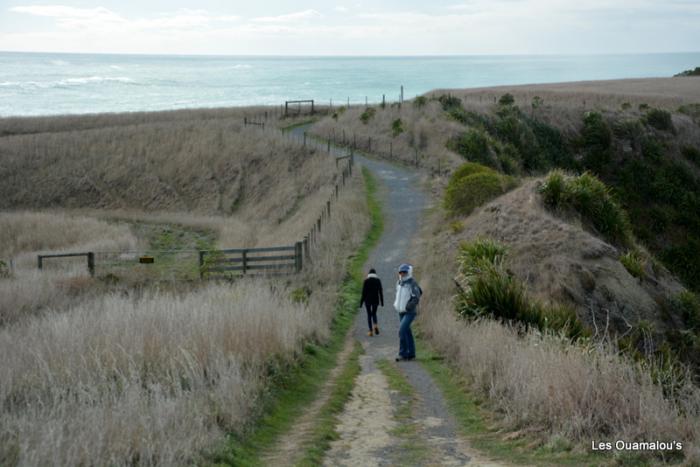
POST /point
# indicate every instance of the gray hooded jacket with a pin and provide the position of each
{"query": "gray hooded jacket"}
(408, 294)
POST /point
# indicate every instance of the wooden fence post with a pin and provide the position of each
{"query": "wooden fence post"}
(245, 260)
(298, 262)
(328, 203)
(336, 191)
(369, 144)
(306, 247)
(391, 150)
(201, 264)
(40, 261)
(91, 263)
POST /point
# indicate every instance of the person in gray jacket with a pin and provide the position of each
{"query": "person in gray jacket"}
(408, 294)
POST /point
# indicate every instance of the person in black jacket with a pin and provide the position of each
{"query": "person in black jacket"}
(372, 296)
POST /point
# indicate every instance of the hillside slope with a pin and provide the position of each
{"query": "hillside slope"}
(560, 261)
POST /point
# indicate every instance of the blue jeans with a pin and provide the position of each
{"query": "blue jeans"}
(407, 347)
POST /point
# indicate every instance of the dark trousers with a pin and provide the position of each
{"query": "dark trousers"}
(407, 346)
(371, 314)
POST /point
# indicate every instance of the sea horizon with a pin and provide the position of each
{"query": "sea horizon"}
(58, 83)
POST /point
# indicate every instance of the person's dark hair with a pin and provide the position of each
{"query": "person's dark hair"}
(372, 271)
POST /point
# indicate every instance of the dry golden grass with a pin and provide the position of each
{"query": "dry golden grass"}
(665, 93)
(158, 375)
(579, 392)
(423, 139)
(63, 123)
(34, 232)
(151, 381)
(205, 166)
(161, 378)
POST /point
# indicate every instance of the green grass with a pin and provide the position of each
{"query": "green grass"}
(634, 263)
(414, 449)
(481, 425)
(324, 431)
(307, 121)
(298, 386)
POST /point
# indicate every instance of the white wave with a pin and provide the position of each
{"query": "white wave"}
(116, 67)
(94, 79)
(59, 62)
(241, 66)
(29, 85)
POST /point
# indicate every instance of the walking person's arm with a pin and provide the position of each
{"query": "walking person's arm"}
(381, 293)
(364, 293)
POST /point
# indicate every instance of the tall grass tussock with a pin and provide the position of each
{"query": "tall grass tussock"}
(588, 196)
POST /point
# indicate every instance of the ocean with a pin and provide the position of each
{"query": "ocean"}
(52, 83)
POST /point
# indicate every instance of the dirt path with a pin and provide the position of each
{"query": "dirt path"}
(371, 433)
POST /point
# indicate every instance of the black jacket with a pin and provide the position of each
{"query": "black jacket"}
(372, 293)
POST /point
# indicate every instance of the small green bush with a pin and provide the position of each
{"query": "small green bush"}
(691, 110)
(473, 145)
(420, 102)
(659, 119)
(589, 197)
(689, 305)
(4, 270)
(692, 154)
(449, 102)
(626, 106)
(506, 99)
(643, 107)
(397, 127)
(456, 227)
(301, 295)
(367, 115)
(652, 148)
(596, 132)
(465, 193)
(469, 168)
(634, 263)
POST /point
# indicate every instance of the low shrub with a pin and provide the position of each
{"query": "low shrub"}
(449, 102)
(506, 99)
(480, 184)
(659, 119)
(692, 154)
(456, 227)
(691, 110)
(4, 270)
(397, 127)
(367, 115)
(596, 133)
(689, 305)
(473, 145)
(634, 263)
(592, 199)
(420, 102)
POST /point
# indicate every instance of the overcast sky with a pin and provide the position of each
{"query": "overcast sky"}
(380, 27)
